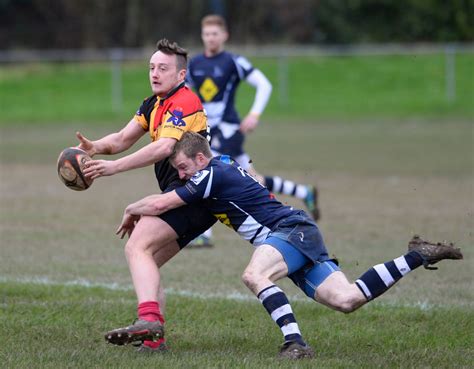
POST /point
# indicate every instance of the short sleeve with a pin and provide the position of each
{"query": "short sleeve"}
(142, 115)
(199, 187)
(243, 65)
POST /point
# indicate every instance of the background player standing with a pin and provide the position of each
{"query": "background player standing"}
(215, 76)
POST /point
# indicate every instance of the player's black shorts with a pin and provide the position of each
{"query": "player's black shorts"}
(189, 221)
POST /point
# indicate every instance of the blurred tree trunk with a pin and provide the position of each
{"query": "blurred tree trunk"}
(132, 23)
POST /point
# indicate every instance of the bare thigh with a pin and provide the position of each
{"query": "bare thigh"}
(338, 293)
(153, 235)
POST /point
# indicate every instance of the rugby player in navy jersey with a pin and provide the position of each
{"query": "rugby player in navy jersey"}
(287, 241)
(215, 76)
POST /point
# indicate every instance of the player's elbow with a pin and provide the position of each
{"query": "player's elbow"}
(158, 207)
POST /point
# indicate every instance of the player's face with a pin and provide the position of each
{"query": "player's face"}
(213, 38)
(164, 74)
(187, 167)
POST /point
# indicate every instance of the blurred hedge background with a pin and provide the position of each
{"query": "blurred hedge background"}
(56, 24)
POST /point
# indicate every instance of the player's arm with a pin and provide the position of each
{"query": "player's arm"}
(147, 155)
(113, 143)
(151, 205)
(262, 94)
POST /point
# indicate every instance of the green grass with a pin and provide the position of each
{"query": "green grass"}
(375, 87)
(380, 182)
(62, 327)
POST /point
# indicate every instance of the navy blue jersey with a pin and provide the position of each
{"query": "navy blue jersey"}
(236, 199)
(215, 79)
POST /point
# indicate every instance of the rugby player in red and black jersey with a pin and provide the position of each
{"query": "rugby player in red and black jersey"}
(172, 110)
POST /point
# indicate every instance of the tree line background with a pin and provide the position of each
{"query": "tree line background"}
(53, 24)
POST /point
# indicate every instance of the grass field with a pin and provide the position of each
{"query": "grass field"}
(346, 88)
(64, 280)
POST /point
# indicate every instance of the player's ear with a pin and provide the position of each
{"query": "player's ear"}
(182, 74)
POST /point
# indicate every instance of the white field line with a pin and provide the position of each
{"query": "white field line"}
(231, 295)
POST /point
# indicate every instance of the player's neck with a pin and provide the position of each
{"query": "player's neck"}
(213, 52)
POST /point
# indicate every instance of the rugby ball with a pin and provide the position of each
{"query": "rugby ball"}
(71, 162)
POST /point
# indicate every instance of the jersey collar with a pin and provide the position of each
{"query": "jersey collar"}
(172, 92)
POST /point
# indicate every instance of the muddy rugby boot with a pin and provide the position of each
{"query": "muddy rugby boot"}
(431, 253)
(295, 350)
(139, 331)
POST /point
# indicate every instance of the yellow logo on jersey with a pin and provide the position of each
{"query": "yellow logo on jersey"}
(224, 219)
(208, 89)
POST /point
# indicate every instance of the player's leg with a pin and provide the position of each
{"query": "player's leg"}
(266, 266)
(151, 244)
(338, 293)
(307, 193)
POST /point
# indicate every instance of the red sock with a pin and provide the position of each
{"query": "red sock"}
(150, 311)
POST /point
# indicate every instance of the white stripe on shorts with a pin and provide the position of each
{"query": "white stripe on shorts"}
(384, 274)
(402, 265)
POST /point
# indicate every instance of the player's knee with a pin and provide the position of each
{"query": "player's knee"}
(133, 248)
(250, 278)
(345, 303)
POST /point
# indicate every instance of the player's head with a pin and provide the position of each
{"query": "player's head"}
(214, 33)
(190, 154)
(167, 67)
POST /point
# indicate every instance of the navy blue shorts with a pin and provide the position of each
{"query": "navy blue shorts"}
(302, 232)
(300, 243)
(189, 221)
(232, 146)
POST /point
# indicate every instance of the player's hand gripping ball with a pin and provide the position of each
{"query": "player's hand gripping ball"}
(71, 162)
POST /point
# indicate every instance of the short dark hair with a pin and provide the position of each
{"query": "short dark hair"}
(190, 145)
(172, 48)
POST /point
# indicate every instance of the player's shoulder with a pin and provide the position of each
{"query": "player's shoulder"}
(150, 100)
(147, 105)
(241, 61)
(187, 100)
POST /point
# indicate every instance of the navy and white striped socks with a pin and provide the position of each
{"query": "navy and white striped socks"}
(381, 277)
(276, 303)
(283, 186)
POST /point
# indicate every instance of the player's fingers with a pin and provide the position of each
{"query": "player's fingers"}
(81, 138)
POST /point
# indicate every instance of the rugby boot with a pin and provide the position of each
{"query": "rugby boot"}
(201, 241)
(311, 202)
(138, 332)
(161, 347)
(431, 253)
(295, 350)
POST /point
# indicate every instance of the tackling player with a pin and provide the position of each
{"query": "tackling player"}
(170, 111)
(287, 241)
(215, 76)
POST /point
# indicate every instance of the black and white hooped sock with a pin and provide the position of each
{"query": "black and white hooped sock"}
(283, 186)
(276, 303)
(381, 277)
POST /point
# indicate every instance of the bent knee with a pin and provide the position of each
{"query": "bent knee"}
(345, 303)
(249, 278)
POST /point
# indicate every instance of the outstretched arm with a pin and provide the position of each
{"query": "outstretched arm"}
(113, 143)
(147, 155)
(150, 205)
(263, 91)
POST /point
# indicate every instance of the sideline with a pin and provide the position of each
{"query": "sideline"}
(233, 295)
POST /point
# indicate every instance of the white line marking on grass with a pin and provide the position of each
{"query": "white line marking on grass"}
(235, 296)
